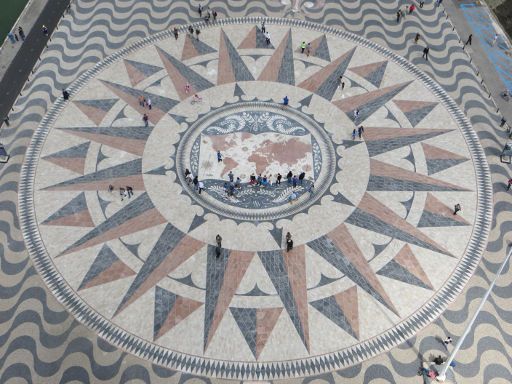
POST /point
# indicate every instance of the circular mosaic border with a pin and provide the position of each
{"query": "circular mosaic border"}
(321, 185)
(257, 370)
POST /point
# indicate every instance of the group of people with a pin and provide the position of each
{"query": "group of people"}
(123, 192)
(208, 13)
(145, 103)
(13, 36)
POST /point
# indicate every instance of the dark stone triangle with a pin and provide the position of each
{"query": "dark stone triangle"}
(430, 219)
(187, 280)
(340, 198)
(275, 266)
(103, 261)
(164, 302)
(322, 51)
(256, 291)
(438, 165)
(240, 70)
(133, 248)
(77, 205)
(146, 69)
(167, 241)
(324, 280)
(79, 151)
(135, 208)
(134, 132)
(179, 119)
(330, 85)
(328, 250)
(246, 320)
(330, 309)
(378, 248)
(160, 102)
(195, 79)
(408, 204)
(196, 222)
(202, 48)
(277, 234)
(238, 91)
(158, 171)
(350, 143)
(306, 101)
(215, 270)
(365, 220)
(381, 183)
(395, 271)
(105, 104)
(260, 40)
(417, 115)
(381, 146)
(286, 71)
(130, 168)
(376, 76)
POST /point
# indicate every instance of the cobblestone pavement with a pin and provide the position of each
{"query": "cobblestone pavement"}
(44, 343)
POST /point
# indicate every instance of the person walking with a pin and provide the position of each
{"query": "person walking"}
(398, 14)
(509, 184)
(191, 30)
(279, 177)
(267, 38)
(416, 38)
(45, 30)
(219, 157)
(286, 101)
(294, 181)
(302, 47)
(197, 33)
(200, 186)
(200, 10)
(129, 190)
(65, 94)
(356, 114)
(422, 3)
(447, 341)
(360, 132)
(231, 176)
(494, 40)
(354, 134)
(175, 33)
(145, 118)
(425, 53)
(195, 181)
(263, 26)
(218, 241)
(289, 177)
(308, 49)
(457, 208)
(469, 40)
(301, 177)
(10, 35)
(214, 14)
(21, 33)
(149, 103)
(289, 242)
(411, 9)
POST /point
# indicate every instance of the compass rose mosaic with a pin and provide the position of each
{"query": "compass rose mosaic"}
(378, 252)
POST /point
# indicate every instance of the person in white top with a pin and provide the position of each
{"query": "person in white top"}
(201, 186)
(149, 103)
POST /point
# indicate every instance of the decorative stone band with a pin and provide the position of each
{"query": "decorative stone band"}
(257, 370)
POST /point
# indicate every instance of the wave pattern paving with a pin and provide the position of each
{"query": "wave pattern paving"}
(41, 343)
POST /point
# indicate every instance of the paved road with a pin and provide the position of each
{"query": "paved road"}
(42, 343)
(14, 80)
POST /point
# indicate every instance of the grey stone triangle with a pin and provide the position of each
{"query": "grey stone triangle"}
(330, 309)
(202, 48)
(240, 70)
(416, 115)
(187, 280)
(261, 42)
(103, 203)
(324, 280)
(256, 291)
(104, 104)
(238, 91)
(179, 119)
(322, 51)
(378, 248)
(161, 170)
(78, 151)
(286, 72)
(133, 248)
(277, 234)
(106, 257)
(438, 165)
(196, 222)
(395, 271)
(306, 101)
(146, 69)
(246, 320)
(340, 198)
(101, 156)
(350, 143)
(408, 204)
(430, 219)
(164, 302)
(76, 205)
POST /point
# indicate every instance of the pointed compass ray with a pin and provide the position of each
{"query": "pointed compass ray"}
(193, 48)
(373, 72)
(128, 139)
(160, 104)
(279, 68)
(95, 110)
(71, 158)
(440, 159)
(73, 214)
(325, 82)
(138, 72)
(374, 216)
(129, 173)
(138, 215)
(231, 66)
(171, 250)
(287, 271)
(180, 74)
(340, 249)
